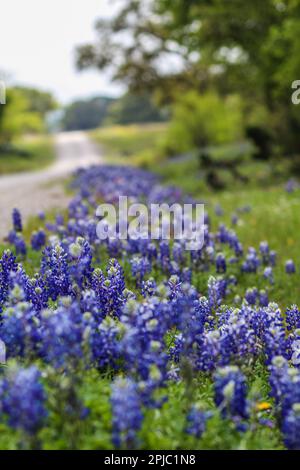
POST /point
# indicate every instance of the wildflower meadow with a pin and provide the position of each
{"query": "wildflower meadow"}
(140, 343)
(149, 230)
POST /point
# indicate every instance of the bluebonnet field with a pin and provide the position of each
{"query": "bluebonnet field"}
(142, 344)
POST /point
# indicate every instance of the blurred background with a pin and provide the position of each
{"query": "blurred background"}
(195, 87)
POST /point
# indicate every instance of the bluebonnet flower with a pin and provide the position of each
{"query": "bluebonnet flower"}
(268, 274)
(251, 295)
(186, 275)
(17, 220)
(273, 332)
(127, 415)
(218, 210)
(174, 285)
(109, 290)
(142, 345)
(164, 254)
(272, 258)
(62, 335)
(263, 298)
(7, 265)
(197, 420)
(291, 390)
(252, 262)
(56, 271)
(234, 219)
(18, 241)
(223, 234)
(290, 267)
(278, 373)
(148, 288)
(81, 264)
(291, 428)
(140, 266)
(231, 392)
(178, 253)
(114, 247)
(105, 343)
(265, 251)
(291, 185)
(38, 240)
(24, 399)
(295, 350)
(220, 263)
(292, 318)
(216, 291)
(19, 328)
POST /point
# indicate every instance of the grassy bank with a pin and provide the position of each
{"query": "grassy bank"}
(35, 153)
(133, 144)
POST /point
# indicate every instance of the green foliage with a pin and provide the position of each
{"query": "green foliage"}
(24, 112)
(32, 154)
(17, 118)
(238, 47)
(86, 114)
(134, 108)
(41, 102)
(201, 120)
(139, 144)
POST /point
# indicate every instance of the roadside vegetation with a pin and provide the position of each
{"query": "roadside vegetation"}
(28, 154)
(24, 143)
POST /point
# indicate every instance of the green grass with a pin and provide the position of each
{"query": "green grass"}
(144, 145)
(132, 144)
(169, 421)
(40, 154)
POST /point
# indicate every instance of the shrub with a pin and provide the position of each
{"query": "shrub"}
(201, 120)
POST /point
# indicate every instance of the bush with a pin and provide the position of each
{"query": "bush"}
(201, 120)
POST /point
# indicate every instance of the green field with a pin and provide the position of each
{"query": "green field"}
(38, 153)
(138, 144)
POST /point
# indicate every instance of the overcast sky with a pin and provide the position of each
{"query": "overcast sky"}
(37, 41)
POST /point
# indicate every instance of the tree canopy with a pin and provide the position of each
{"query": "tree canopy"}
(25, 111)
(86, 114)
(170, 46)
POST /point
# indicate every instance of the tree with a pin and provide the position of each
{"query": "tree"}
(86, 114)
(41, 102)
(168, 46)
(16, 117)
(202, 120)
(134, 108)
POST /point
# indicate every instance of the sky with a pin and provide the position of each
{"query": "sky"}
(37, 42)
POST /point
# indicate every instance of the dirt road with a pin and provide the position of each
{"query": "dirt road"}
(42, 190)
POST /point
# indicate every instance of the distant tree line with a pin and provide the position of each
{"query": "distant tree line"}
(97, 111)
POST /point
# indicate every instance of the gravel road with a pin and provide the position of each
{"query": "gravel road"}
(42, 190)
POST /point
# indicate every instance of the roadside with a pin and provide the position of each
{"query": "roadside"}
(27, 154)
(33, 192)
